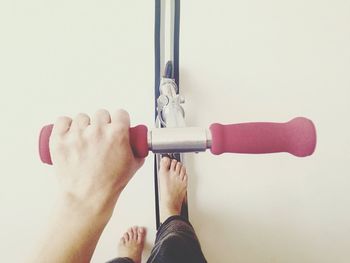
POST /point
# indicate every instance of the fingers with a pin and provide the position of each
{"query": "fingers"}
(61, 125)
(81, 121)
(121, 117)
(101, 117)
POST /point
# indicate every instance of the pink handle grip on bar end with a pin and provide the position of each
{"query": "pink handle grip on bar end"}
(297, 137)
(138, 142)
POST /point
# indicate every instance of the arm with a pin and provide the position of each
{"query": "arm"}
(93, 162)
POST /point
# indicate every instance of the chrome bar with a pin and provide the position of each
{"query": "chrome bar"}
(178, 140)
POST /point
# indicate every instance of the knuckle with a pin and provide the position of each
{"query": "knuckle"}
(101, 116)
(81, 116)
(122, 112)
(63, 119)
(81, 121)
(102, 112)
(121, 116)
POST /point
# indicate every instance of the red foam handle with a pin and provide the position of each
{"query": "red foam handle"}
(138, 142)
(297, 137)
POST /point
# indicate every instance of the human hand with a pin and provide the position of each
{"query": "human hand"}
(93, 158)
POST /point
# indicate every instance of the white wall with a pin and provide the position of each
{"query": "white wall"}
(240, 61)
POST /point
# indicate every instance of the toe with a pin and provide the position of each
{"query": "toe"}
(141, 235)
(130, 233)
(178, 168)
(135, 232)
(126, 237)
(182, 172)
(173, 165)
(122, 241)
(185, 179)
(165, 163)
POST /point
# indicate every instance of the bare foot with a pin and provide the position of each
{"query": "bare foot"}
(173, 186)
(131, 244)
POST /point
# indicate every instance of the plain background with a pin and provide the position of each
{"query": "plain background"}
(240, 61)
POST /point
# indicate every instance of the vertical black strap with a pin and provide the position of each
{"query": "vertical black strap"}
(171, 71)
(157, 76)
(157, 47)
(176, 43)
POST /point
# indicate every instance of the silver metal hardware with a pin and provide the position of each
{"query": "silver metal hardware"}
(169, 140)
(170, 112)
(181, 99)
(176, 138)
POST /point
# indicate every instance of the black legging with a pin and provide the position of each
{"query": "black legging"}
(176, 242)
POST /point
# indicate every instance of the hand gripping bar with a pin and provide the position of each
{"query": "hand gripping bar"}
(297, 137)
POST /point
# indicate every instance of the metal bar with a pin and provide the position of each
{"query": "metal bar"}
(178, 140)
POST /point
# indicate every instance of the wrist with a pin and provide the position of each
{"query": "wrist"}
(97, 209)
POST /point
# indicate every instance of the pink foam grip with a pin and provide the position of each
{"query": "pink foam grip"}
(297, 137)
(138, 142)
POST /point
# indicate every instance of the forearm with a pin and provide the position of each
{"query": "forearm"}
(73, 232)
(94, 162)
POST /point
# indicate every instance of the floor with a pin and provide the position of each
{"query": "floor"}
(240, 62)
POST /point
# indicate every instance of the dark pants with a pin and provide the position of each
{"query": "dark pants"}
(176, 242)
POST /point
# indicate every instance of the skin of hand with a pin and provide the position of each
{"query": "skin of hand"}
(93, 158)
(93, 162)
